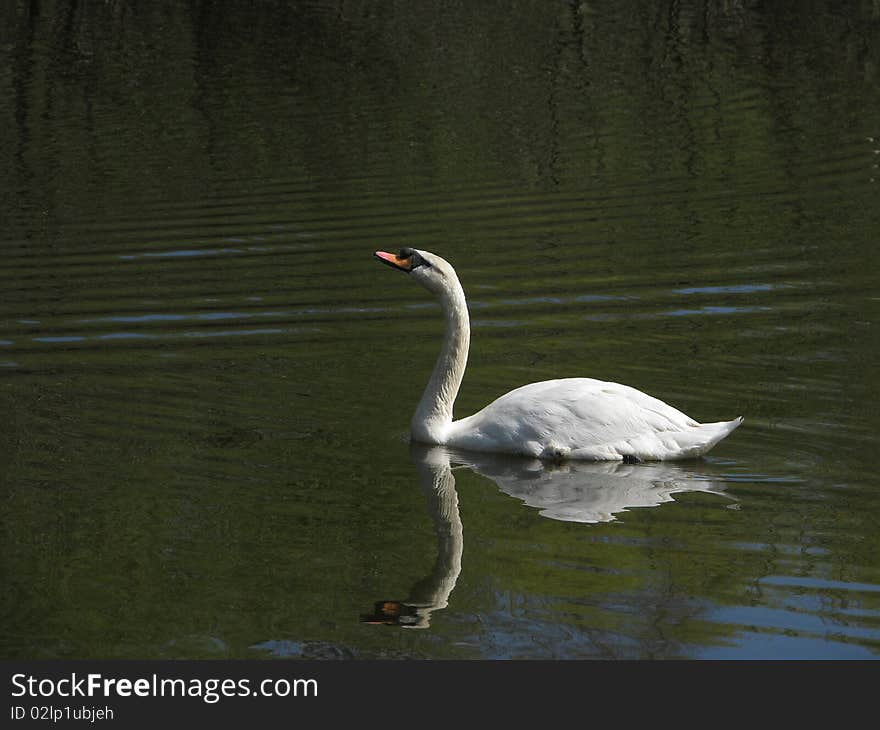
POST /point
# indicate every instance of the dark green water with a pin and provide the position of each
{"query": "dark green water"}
(206, 381)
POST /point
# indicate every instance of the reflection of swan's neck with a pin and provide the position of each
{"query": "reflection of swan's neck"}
(434, 413)
(432, 592)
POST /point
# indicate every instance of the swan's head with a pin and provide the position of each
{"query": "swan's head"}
(430, 270)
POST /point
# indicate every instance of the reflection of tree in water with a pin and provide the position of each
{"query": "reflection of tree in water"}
(573, 492)
(463, 87)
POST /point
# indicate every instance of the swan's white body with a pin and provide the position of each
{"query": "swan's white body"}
(583, 418)
(572, 418)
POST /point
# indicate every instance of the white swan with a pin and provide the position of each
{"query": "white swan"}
(572, 418)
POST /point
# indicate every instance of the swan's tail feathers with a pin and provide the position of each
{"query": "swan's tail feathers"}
(699, 440)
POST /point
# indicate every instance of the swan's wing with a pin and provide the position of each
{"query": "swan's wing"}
(583, 418)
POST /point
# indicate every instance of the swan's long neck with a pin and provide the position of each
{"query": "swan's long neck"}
(432, 419)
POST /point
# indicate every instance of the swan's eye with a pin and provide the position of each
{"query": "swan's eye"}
(414, 256)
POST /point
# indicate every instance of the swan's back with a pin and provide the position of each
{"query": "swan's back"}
(584, 418)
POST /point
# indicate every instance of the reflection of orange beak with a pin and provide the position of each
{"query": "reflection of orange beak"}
(394, 261)
(392, 608)
(388, 613)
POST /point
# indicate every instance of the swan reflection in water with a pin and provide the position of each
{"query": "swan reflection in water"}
(431, 592)
(588, 492)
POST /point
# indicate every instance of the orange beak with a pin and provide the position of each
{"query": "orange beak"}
(391, 260)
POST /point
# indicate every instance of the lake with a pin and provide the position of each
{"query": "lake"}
(206, 380)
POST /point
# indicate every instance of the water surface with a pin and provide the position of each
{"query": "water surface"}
(206, 380)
